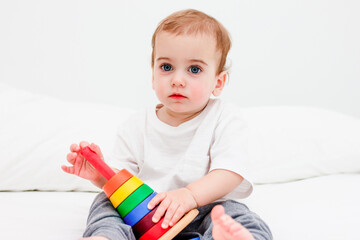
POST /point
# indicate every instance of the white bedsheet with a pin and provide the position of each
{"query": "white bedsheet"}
(320, 208)
(326, 207)
(43, 215)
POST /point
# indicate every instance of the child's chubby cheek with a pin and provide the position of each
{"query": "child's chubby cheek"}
(160, 90)
(200, 95)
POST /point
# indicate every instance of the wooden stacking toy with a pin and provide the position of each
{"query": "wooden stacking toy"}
(130, 196)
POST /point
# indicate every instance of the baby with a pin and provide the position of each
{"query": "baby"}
(191, 148)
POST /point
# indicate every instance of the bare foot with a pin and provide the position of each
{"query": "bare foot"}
(226, 228)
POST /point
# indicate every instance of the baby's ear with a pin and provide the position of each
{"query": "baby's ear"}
(220, 83)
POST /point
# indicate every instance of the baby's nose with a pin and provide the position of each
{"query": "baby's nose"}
(178, 81)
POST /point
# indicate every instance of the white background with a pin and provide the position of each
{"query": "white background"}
(284, 52)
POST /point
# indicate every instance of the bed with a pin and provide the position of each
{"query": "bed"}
(306, 167)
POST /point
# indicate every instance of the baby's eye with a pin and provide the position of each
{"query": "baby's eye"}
(166, 67)
(194, 69)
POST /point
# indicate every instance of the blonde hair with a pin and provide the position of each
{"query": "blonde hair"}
(191, 21)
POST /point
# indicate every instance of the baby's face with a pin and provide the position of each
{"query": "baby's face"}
(184, 72)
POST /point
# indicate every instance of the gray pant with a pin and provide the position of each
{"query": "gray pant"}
(105, 221)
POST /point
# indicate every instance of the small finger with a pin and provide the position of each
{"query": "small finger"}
(169, 215)
(97, 150)
(84, 144)
(71, 157)
(176, 217)
(67, 169)
(161, 210)
(74, 148)
(156, 200)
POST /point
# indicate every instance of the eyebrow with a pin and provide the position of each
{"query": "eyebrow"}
(162, 58)
(198, 60)
(191, 60)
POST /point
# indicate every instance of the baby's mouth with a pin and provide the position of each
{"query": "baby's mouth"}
(177, 96)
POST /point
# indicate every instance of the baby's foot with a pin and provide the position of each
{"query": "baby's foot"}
(226, 228)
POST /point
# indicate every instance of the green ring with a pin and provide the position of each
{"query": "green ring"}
(134, 199)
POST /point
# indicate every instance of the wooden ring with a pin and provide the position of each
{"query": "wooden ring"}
(180, 225)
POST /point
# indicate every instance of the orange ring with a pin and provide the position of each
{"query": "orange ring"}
(116, 181)
(125, 190)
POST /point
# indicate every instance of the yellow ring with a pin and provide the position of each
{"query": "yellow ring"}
(125, 190)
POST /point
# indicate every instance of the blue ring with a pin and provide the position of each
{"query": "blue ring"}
(139, 211)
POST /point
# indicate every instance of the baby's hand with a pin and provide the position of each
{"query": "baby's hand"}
(80, 166)
(175, 203)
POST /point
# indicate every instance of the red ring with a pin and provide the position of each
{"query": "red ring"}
(155, 232)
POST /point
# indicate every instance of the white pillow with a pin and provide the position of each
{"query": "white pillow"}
(292, 143)
(285, 143)
(35, 135)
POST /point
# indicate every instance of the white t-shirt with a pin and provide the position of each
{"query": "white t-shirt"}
(168, 158)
